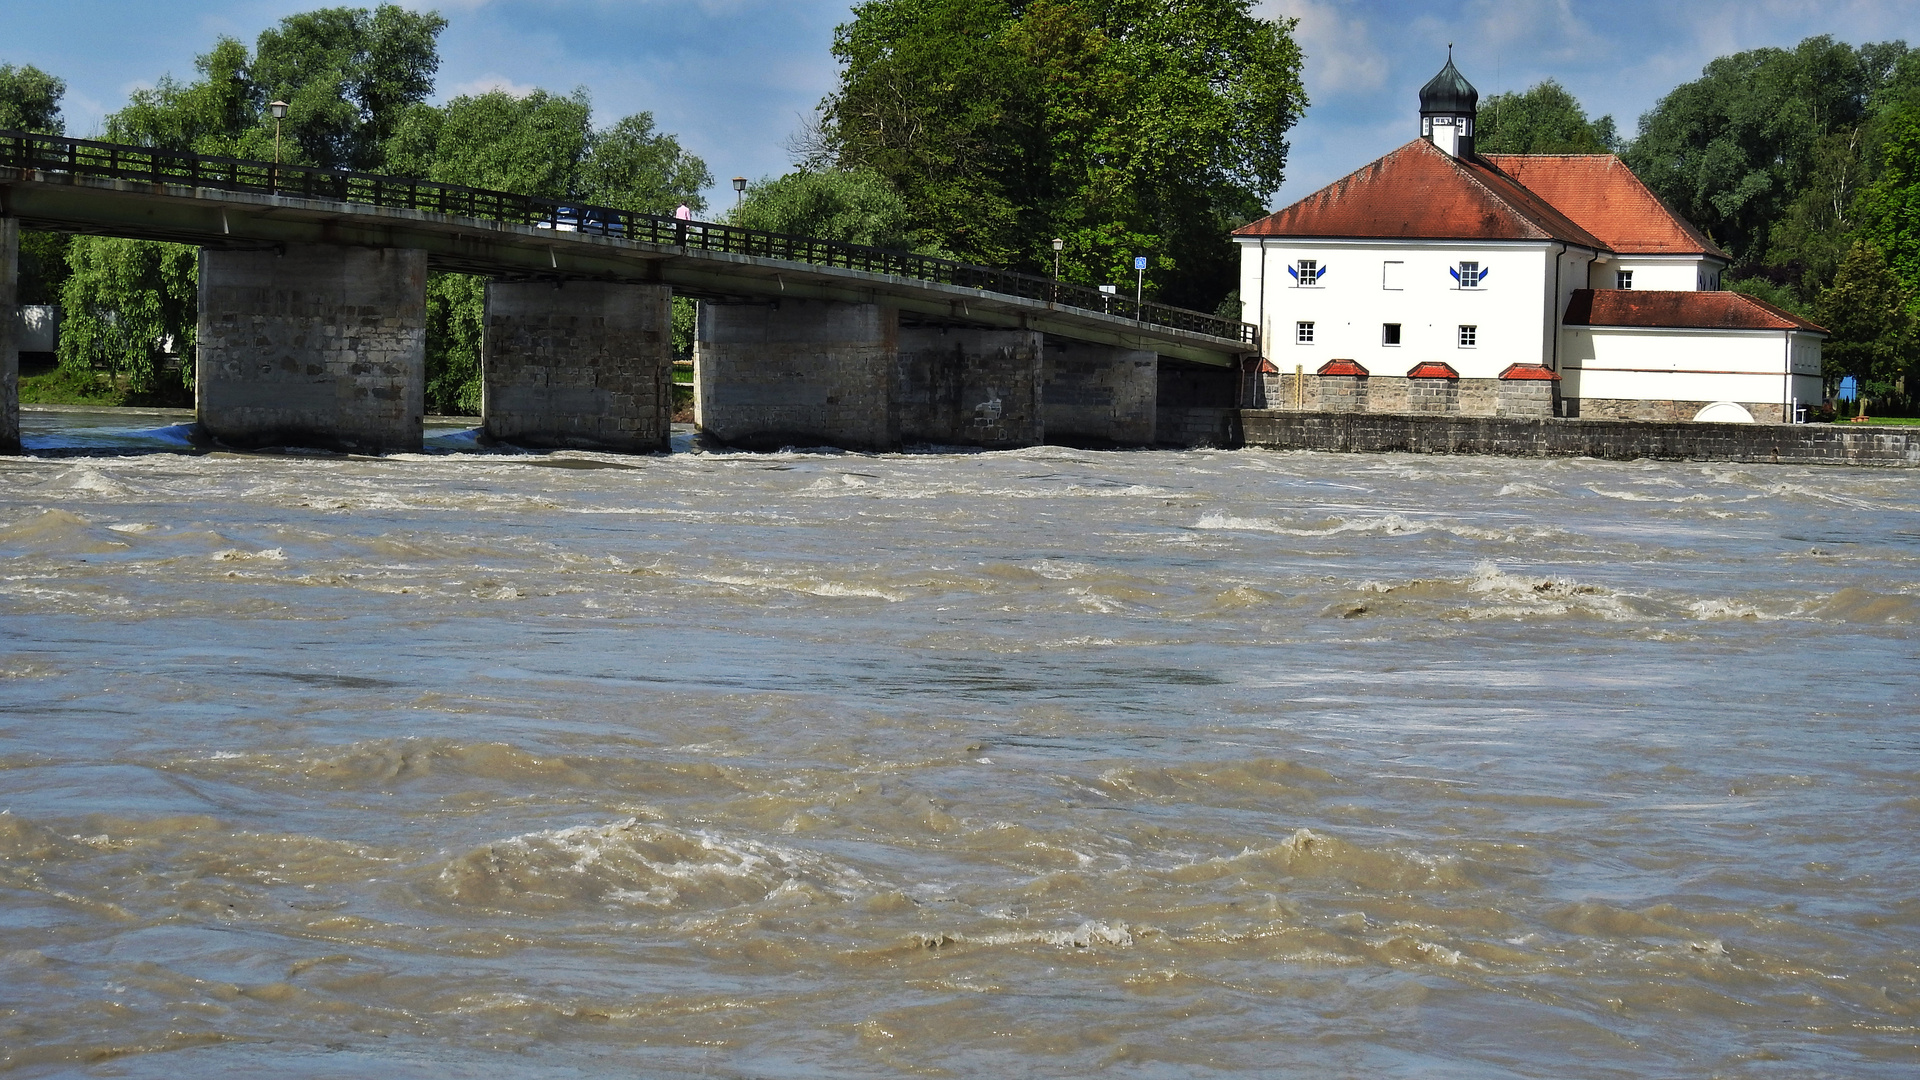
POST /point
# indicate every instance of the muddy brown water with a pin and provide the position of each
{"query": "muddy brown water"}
(1037, 763)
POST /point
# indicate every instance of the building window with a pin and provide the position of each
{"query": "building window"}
(1469, 336)
(1308, 271)
(1390, 333)
(1623, 279)
(1390, 275)
(1469, 275)
(1303, 333)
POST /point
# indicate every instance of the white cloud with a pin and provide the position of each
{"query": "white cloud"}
(1342, 57)
(487, 84)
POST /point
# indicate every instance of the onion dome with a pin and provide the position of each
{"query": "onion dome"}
(1449, 93)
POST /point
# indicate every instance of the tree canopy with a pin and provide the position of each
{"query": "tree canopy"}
(856, 206)
(1123, 127)
(357, 82)
(1764, 150)
(1544, 120)
(30, 100)
(1870, 315)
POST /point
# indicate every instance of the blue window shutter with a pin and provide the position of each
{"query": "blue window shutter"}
(1483, 273)
(1455, 271)
(1291, 270)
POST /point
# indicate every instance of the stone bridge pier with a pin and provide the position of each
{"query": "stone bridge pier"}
(585, 364)
(813, 373)
(313, 345)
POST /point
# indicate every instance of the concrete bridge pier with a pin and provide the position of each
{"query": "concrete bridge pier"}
(1100, 395)
(797, 373)
(585, 364)
(9, 336)
(313, 345)
(959, 386)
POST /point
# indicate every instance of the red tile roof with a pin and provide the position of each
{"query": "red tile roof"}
(1600, 193)
(1341, 367)
(1675, 309)
(1421, 192)
(1529, 373)
(1432, 369)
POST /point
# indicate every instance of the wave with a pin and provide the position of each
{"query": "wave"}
(639, 864)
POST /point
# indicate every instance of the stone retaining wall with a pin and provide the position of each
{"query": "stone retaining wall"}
(1620, 440)
(1664, 411)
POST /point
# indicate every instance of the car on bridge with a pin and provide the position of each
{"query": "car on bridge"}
(587, 219)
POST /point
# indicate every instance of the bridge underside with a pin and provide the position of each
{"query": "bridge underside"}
(312, 334)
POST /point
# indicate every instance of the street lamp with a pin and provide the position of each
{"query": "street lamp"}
(739, 191)
(279, 113)
(1057, 245)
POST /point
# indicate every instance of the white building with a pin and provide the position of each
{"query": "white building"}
(1440, 280)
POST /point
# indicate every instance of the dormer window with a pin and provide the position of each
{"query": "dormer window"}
(1623, 279)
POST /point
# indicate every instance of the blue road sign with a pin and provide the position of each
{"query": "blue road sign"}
(1139, 262)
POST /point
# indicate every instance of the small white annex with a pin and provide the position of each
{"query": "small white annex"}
(1440, 280)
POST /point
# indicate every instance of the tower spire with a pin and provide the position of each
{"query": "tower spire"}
(1448, 106)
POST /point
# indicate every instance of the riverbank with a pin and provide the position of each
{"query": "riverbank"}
(1613, 440)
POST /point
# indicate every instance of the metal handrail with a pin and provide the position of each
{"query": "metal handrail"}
(145, 164)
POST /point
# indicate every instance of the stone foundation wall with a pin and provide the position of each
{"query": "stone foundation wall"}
(1399, 394)
(1806, 444)
(585, 364)
(1531, 399)
(313, 346)
(1663, 411)
(1440, 396)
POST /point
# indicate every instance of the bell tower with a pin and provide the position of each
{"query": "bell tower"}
(1448, 104)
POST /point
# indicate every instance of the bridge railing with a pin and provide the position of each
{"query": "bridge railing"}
(141, 164)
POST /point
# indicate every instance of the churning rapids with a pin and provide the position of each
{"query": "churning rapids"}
(1038, 763)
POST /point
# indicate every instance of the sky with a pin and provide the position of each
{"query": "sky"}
(733, 79)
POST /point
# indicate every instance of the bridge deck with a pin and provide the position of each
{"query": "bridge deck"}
(101, 188)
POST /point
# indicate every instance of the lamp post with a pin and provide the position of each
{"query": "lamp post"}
(1057, 245)
(279, 113)
(739, 192)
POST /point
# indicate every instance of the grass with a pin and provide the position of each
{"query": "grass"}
(1903, 421)
(43, 383)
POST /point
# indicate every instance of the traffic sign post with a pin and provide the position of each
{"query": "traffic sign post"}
(1139, 281)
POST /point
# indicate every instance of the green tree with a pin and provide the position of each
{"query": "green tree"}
(126, 305)
(214, 114)
(856, 206)
(630, 166)
(1544, 120)
(1890, 207)
(1871, 318)
(30, 100)
(1122, 127)
(1735, 149)
(539, 144)
(531, 145)
(347, 75)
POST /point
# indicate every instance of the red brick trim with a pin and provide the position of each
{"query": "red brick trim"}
(1535, 372)
(1433, 369)
(1342, 367)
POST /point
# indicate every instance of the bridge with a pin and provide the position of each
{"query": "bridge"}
(312, 317)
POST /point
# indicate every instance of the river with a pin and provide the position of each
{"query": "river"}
(1029, 763)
